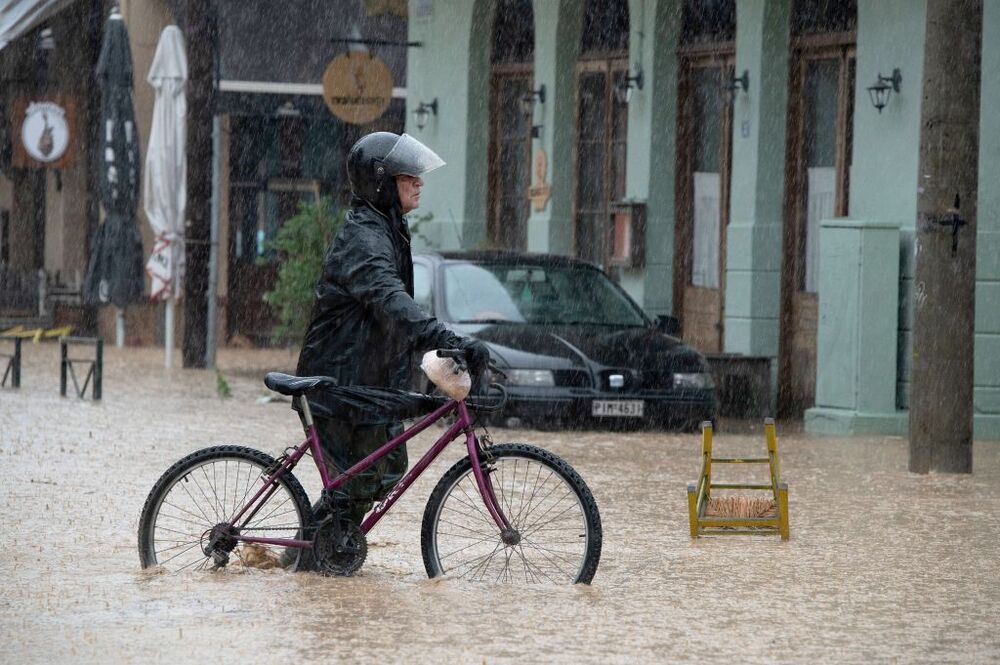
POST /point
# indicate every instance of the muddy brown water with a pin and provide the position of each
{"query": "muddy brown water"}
(882, 565)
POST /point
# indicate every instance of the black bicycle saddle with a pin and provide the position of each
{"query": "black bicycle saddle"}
(293, 386)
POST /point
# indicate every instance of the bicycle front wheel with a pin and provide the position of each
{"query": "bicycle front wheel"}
(205, 491)
(544, 499)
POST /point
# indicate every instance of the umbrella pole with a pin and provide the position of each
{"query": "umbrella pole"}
(168, 337)
(120, 327)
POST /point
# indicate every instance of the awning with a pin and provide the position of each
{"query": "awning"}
(19, 16)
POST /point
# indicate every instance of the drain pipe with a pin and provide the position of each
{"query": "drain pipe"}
(213, 253)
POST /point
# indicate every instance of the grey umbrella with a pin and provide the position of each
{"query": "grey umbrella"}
(115, 274)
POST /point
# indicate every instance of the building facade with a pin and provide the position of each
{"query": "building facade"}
(778, 204)
(720, 158)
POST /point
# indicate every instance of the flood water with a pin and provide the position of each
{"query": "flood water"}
(882, 565)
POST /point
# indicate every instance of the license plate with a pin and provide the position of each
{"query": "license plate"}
(618, 407)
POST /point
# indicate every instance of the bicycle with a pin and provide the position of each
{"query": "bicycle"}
(538, 521)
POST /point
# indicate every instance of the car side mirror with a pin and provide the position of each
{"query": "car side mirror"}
(668, 325)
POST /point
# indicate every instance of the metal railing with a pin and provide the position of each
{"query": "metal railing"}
(95, 365)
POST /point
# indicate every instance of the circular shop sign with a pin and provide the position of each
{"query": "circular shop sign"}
(357, 88)
(45, 132)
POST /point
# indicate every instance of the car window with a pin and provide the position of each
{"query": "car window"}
(474, 293)
(536, 294)
(422, 292)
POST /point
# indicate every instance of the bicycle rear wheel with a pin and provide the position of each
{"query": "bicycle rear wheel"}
(207, 489)
(545, 500)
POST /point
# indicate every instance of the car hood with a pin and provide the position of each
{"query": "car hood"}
(560, 347)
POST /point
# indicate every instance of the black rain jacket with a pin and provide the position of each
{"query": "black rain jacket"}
(365, 324)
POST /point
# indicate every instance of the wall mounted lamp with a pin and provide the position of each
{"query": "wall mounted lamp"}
(423, 113)
(623, 91)
(287, 110)
(738, 83)
(528, 100)
(883, 89)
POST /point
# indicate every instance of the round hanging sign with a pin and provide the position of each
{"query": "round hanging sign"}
(357, 88)
(45, 131)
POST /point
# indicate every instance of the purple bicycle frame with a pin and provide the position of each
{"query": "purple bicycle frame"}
(461, 424)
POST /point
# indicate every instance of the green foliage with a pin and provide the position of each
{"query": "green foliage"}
(222, 386)
(415, 223)
(301, 243)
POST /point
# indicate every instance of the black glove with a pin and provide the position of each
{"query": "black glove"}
(477, 356)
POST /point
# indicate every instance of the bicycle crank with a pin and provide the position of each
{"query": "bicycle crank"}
(339, 547)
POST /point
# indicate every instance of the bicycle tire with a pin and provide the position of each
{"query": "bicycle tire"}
(511, 493)
(215, 508)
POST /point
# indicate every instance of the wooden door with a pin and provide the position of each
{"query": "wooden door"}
(600, 154)
(704, 171)
(820, 121)
(510, 156)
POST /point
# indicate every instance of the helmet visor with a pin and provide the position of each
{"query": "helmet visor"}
(411, 157)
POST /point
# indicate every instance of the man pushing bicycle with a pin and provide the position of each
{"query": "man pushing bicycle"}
(365, 325)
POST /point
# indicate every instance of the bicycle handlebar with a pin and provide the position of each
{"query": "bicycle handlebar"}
(459, 356)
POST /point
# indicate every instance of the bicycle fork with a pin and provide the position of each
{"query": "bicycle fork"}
(508, 534)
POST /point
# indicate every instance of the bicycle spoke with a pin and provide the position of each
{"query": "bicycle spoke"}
(204, 497)
(218, 504)
(451, 554)
(538, 502)
(478, 533)
(243, 500)
(163, 563)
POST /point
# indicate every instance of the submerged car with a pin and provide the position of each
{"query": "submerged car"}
(575, 347)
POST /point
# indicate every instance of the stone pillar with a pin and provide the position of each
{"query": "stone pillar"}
(559, 122)
(446, 68)
(856, 340)
(652, 146)
(550, 18)
(754, 237)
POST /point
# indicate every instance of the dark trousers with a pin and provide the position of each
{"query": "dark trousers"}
(344, 445)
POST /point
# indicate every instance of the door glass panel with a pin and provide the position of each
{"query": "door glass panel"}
(591, 164)
(707, 102)
(512, 161)
(601, 150)
(820, 152)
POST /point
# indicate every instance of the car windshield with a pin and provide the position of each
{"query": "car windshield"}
(520, 293)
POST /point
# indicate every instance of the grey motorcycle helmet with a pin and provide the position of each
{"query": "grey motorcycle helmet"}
(376, 159)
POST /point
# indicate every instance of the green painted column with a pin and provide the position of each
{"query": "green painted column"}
(444, 68)
(550, 18)
(883, 176)
(987, 362)
(560, 119)
(753, 255)
(652, 145)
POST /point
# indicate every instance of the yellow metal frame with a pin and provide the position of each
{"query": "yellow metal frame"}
(36, 334)
(699, 492)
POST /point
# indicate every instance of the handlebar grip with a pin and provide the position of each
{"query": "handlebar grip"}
(450, 353)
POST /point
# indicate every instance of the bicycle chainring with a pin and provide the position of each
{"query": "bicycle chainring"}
(339, 552)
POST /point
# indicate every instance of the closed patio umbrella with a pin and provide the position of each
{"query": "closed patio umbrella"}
(115, 275)
(164, 182)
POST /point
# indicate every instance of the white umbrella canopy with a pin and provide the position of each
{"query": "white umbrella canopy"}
(164, 187)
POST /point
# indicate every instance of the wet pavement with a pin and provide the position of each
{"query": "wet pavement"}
(882, 565)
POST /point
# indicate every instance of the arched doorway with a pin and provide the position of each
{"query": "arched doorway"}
(704, 155)
(511, 76)
(818, 159)
(602, 124)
